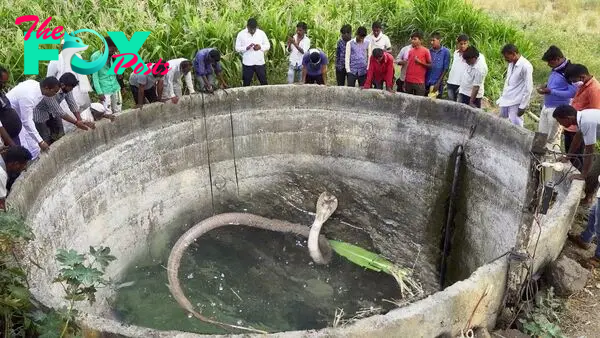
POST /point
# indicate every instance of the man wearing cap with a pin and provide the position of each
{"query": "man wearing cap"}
(314, 67)
(98, 112)
(206, 65)
(381, 69)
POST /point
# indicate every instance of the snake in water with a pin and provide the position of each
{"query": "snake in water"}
(318, 246)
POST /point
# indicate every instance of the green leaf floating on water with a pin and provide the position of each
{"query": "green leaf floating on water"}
(361, 257)
(372, 261)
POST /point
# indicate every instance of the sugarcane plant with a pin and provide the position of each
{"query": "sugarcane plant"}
(409, 287)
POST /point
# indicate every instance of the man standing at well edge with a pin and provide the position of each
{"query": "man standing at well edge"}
(252, 43)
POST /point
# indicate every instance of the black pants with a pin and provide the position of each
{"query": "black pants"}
(340, 77)
(149, 94)
(51, 130)
(249, 71)
(415, 88)
(399, 86)
(318, 79)
(578, 160)
(465, 99)
(453, 92)
(352, 78)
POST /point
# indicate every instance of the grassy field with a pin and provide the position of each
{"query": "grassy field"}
(180, 28)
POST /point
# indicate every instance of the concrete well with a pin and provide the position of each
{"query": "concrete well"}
(131, 181)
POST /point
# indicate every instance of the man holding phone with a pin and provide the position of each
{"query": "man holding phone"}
(252, 43)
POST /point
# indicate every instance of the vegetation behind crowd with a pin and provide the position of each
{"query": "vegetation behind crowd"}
(179, 29)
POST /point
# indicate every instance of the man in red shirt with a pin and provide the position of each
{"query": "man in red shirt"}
(381, 69)
(419, 60)
(586, 97)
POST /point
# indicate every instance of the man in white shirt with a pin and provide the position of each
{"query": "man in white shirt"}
(458, 68)
(472, 81)
(24, 98)
(518, 85)
(12, 163)
(252, 43)
(297, 45)
(587, 122)
(402, 60)
(378, 39)
(178, 68)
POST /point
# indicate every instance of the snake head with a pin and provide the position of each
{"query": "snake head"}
(326, 205)
(71, 41)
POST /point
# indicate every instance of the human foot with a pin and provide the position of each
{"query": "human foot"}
(576, 239)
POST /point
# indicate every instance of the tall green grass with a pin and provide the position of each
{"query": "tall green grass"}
(180, 28)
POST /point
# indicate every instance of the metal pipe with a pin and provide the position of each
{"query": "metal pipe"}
(450, 216)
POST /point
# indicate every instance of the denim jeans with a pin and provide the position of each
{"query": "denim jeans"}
(593, 228)
(294, 74)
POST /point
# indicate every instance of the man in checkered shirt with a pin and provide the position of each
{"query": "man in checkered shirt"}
(47, 114)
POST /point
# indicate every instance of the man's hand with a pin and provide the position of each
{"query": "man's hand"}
(79, 124)
(390, 90)
(290, 40)
(101, 98)
(543, 90)
(256, 47)
(472, 104)
(564, 159)
(250, 46)
(578, 177)
(417, 60)
(208, 87)
(521, 112)
(224, 85)
(111, 117)
(90, 124)
(44, 146)
(175, 99)
(139, 106)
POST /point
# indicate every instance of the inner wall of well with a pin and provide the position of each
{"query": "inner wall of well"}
(154, 169)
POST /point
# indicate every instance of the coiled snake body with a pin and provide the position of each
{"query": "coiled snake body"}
(318, 247)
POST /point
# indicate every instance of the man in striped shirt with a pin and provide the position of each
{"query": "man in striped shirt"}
(48, 115)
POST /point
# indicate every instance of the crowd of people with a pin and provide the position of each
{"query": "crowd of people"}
(35, 114)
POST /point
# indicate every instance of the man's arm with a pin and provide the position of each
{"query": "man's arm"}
(27, 106)
(265, 45)
(324, 72)
(528, 78)
(388, 44)
(73, 107)
(160, 85)
(427, 62)
(141, 96)
(389, 75)
(587, 159)
(239, 41)
(567, 94)
(446, 66)
(347, 58)
(369, 79)
(189, 83)
(303, 74)
(6, 139)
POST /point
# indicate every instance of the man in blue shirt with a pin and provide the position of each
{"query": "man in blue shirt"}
(314, 67)
(557, 91)
(440, 62)
(206, 65)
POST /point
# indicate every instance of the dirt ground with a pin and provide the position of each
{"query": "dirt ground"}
(581, 318)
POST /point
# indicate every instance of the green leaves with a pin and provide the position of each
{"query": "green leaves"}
(359, 256)
(69, 258)
(102, 256)
(372, 261)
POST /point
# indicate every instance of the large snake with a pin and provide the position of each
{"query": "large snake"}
(318, 247)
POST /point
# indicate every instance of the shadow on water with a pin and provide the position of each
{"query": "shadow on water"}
(267, 280)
